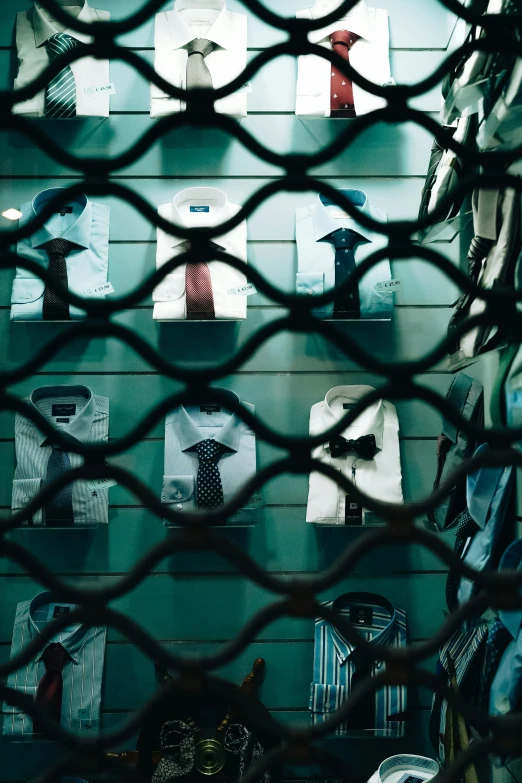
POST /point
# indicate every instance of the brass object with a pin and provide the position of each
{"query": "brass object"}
(210, 757)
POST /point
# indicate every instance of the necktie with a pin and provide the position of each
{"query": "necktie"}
(341, 95)
(50, 688)
(54, 307)
(365, 446)
(466, 528)
(209, 489)
(59, 510)
(347, 304)
(60, 95)
(364, 716)
(198, 74)
(497, 641)
(198, 291)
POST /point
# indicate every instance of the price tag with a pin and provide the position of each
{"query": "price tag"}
(104, 89)
(99, 290)
(390, 83)
(243, 290)
(104, 483)
(255, 501)
(246, 88)
(389, 286)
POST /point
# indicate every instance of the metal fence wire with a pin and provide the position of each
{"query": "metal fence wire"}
(293, 597)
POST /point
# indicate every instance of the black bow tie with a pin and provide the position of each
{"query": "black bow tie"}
(365, 446)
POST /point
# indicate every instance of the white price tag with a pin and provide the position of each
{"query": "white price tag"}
(390, 83)
(243, 290)
(254, 501)
(104, 89)
(99, 290)
(101, 483)
(247, 87)
(388, 286)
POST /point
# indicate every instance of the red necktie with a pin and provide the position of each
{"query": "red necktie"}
(198, 288)
(341, 96)
(50, 689)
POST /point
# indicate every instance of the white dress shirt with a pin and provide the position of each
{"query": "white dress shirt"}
(369, 56)
(380, 477)
(33, 28)
(193, 19)
(316, 255)
(201, 207)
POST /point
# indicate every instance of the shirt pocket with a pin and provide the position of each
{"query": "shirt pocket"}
(179, 492)
(325, 699)
(27, 290)
(24, 491)
(311, 283)
(170, 289)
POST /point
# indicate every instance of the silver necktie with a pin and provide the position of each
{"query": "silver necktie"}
(198, 74)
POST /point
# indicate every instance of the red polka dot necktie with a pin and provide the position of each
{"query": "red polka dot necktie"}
(209, 489)
(199, 296)
(50, 688)
(341, 95)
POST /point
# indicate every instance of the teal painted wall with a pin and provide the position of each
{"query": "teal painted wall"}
(283, 379)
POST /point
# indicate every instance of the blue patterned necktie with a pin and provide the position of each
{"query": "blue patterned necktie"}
(497, 641)
(59, 510)
(209, 489)
(347, 304)
(466, 528)
(60, 95)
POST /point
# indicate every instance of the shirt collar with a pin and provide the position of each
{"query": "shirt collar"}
(482, 486)
(80, 426)
(324, 223)
(371, 422)
(220, 33)
(343, 647)
(512, 560)
(356, 20)
(44, 29)
(189, 195)
(79, 232)
(228, 435)
(409, 765)
(72, 639)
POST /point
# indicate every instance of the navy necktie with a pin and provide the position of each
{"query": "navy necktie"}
(209, 489)
(466, 528)
(54, 307)
(347, 304)
(59, 510)
(497, 641)
(364, 716)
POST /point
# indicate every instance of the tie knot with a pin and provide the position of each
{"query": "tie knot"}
(344, 238)
(343, 38)
(201, 46)
(54, 657)
(210, 451)
(59, 43)
(58, 247)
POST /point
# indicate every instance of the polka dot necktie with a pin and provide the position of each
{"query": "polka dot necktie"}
(50, 688)
(199, 296)
(466, 528)
(346, 304)
(60, 95)
(209, 489)
(54, 307)
(498, 639)
(341, 96)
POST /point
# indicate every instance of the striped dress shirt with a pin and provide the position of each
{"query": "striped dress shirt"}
(377, 621)
(82, 673)
(78, 412)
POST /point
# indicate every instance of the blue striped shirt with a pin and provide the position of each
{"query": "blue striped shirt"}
(377, 621)
(82, 673)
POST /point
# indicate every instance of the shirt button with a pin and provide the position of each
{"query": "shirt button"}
(179, 506)
(27, 296)
(26, 499)
(310, 293)
(178, 494)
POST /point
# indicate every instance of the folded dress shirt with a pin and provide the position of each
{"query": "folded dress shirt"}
(76, 411)
(379, 477)
(201, 207)
(338, 664)
(200, 19)
(33, 29)
(316, 254)
(369, 56)
(82, 672)
(405, 767)
(189, 425)
(85, 225)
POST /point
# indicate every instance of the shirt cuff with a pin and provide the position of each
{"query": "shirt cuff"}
(179, 492)
(24, 490)
(312, 284)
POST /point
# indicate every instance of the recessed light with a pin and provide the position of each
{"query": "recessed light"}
(12, 214)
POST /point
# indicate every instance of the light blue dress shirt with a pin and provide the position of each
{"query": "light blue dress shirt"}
(506, 688)
(87, 226)
(316, 254)
(379, 622)
(188, 425)
(82, 673)
(488, 492)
